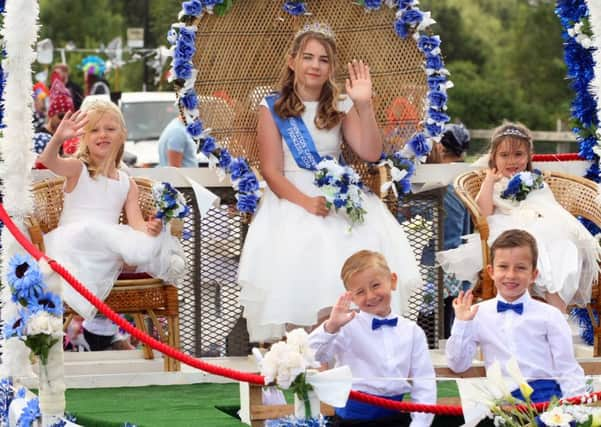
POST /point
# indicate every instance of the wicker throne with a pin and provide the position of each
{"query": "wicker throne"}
(577, 195)
(239, 57)
(136, 294)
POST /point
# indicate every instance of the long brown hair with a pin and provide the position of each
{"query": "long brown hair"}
(517, 135)
(289, 104)
(95, 109)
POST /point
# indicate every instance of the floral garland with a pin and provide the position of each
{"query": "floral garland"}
(579, 49)
(410, 21)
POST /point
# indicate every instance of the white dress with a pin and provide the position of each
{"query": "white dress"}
(92, 245)
(567, 253)
(291, 260)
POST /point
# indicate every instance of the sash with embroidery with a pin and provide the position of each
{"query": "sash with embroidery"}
(297, 137)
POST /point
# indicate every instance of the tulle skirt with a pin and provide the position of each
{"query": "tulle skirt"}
(95, 253)
(291, 261)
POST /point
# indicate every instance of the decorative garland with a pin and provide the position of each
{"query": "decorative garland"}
(410, 21)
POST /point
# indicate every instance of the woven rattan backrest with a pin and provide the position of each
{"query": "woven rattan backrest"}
(577, 195)
(239, 57)
(48, 201)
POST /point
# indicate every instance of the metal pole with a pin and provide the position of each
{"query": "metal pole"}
(145, 45)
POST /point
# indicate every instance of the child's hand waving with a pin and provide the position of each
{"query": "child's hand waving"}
(341, 314)
(493, 175)
(71, 126)
(464, 310)
(358, 85)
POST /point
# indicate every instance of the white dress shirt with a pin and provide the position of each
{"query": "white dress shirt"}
(388, 353)
(540, 340)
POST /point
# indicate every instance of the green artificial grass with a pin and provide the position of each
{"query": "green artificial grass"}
(203, 405)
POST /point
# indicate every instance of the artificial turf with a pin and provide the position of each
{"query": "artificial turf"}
(203, 405)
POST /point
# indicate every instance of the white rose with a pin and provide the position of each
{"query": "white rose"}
(527, 178)
(39, 323)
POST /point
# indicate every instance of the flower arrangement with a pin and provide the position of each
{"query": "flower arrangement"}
(170, 202)
(341, 186)
(286, 365)
(401, 171)
(410, 20)
(39, 320)
(521, 184)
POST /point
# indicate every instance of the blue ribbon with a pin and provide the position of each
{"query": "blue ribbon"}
(355, 410)
(297, 137)
(544, 390)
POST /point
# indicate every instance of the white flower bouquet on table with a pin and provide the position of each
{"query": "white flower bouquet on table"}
(342, 188)
(290, 365)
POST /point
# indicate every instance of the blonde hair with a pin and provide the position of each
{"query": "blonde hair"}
(361, 261)
(517, 135)
(289, 104)
(96, 108)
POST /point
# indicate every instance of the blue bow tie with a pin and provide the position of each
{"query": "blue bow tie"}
(378, 323)
(503, 306)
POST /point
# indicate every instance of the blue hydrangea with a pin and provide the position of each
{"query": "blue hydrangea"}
(189, 100)
(195, 128)
(295, 8)
(225, 158)
(192, 7)
(238, 167)
(419, 144)
(248, 183)
(247, 203)
(208, 145)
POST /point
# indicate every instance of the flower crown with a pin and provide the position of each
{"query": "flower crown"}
(317, 27)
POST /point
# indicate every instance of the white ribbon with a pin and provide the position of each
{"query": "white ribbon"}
(332, 386)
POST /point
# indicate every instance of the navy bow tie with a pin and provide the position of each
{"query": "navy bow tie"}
(503, 306)
(378, 323)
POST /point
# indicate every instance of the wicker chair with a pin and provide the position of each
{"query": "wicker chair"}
(134, 294)
(577, 195)
(239, 57)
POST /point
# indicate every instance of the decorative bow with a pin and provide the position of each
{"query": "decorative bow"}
(503, 306)
(378, 323)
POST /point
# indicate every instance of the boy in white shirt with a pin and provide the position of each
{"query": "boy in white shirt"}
(375, 343)
(515, 325)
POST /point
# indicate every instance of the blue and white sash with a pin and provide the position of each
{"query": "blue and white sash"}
(297, 137)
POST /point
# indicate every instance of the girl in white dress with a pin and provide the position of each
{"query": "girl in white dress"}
(89, 240)
(568, 253)
(295, 245)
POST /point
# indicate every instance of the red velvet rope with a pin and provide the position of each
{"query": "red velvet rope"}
(213, 369)
(561, 157)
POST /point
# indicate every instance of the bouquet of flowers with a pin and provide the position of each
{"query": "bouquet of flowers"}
(341, 187)
(170, 202)
(401, 171)
(39, 319)
(521, 184)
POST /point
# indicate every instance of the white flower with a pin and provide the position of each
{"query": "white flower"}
(44, 323)
(556, 418)
(527, 178)
(496, 382)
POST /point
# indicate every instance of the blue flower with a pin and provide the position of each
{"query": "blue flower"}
(248, 183)
(419, 144)
(15, 327)
(238, 167)
(21, 393)
(434, 62)
(400, 28)
(404, 185)
(428, 43)
(24, 278)
(6, 397)
(295, 8)
(438, 99)
(403, 4)
(438, 116)
(187, 36)
(182, 69)
(247, 202)
(48, 302)
(211, 3)
(433, 129)
(192, 7)
(189, 100)
(372, 4)
(225, 158)
(30, 413)
(195, 128)
(338, 202)
(412, 17)
(436, 80)
(183, 51)
(172, 36)
(208, 145)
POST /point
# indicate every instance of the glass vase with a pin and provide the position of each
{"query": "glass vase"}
(307, 405)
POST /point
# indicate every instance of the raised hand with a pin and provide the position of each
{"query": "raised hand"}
(340, 315)
(493, 175)
(464, 310)
(358, 85)
(71, 126)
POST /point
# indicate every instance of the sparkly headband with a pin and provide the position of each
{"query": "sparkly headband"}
(513, 132)
(317, 27)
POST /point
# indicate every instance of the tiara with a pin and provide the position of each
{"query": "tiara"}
(513, 132)
(317, 27)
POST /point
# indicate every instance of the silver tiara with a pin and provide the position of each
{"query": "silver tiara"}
(317, 27)
(514, 132)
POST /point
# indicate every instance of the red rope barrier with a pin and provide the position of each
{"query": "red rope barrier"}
(560, 157)
(207, 367)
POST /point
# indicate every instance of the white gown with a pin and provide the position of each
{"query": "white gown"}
(567, 253)
(92, 245)
(291, 260)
